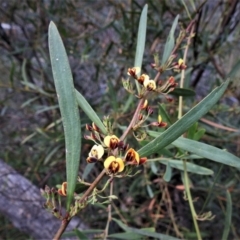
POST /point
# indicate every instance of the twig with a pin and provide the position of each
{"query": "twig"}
(180, 107)
(62, 228)
(189, 196)
(109, 211)
(133, 121)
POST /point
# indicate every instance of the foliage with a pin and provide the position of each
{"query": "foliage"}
(100, 43)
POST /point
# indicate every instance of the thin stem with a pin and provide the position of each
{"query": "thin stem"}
(109, 211)
(180, 107)
(62, 228)
(133, 121)
(189, 196)
(171, 214)
(92, 186)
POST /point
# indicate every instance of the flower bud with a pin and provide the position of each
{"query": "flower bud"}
(88, 127)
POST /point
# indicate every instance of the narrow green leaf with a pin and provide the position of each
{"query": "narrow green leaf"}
(36, 88)
(23, 69)
(141, 38)
(154, 168)
(87, 170)
(198, 135)
(228, 217)
(185, 92)
(163, 113)
(234, 70)
(80, 234)
(126, 235)
(144, 232)
(50, 154)
(168, 174)
(208, 151)
(186, 8)
(150, 191)
(170, 42)
(68, 107)
(130, 235)
(142, 28)
(178, 164)
(181, 126)
(29, 101)
(90, 231)
(86, 107)
(192, 130)
(80, 187)
(204, 150)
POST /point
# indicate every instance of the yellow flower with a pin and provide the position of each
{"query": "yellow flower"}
(159, 123)
(150, 85)
(180, 61)
(143, 78)
(180, 65)
(63, 190)
(114, 165)
(145, 104)
(133, 71)
(95, 154)
(111, 141)
(132, 157)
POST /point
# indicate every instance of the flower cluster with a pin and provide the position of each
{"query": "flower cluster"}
(179, 65)
(119, 154)
(144, 79)
(163, 87)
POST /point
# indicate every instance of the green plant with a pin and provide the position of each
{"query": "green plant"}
(120, 161)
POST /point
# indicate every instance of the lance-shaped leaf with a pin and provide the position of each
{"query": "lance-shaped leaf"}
(86, 107)
(168, 174)
(68, 107)
(228, 216)
(178, 164)
(144, 232)
(182, 125)
(204, 150)
(170, 42)
(141, 39)
(183, 92)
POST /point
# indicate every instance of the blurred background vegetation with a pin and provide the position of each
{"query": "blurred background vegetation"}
(100, 39)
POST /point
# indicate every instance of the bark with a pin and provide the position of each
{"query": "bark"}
(22, 203)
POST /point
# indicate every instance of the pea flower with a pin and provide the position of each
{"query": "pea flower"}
(133, 71)
(95, 154)
(145, 104)
(63, 190)
(114, 165)
(111, 141)
(143, 78)
(132, 157)
(159, 123)
(150, 85)
(180, 65)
